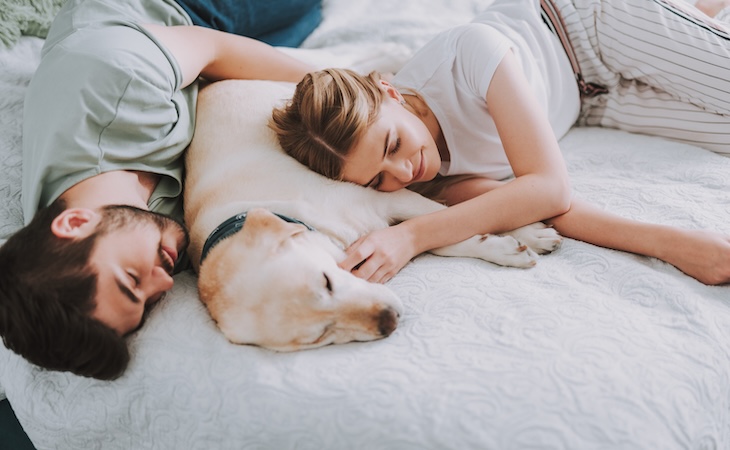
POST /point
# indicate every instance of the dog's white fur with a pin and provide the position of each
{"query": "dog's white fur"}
(276, 284)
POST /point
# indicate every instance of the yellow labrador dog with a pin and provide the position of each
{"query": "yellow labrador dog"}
(267, 233)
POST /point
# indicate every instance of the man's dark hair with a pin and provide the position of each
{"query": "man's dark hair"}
(47, 290)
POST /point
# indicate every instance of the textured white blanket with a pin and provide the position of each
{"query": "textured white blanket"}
(592, 348)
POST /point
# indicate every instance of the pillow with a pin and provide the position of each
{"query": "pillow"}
(26, 17)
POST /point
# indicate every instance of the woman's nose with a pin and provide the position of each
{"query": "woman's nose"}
(402, 171)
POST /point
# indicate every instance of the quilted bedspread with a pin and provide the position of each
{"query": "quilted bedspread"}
(590, 349)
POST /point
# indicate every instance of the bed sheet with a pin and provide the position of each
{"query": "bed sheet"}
(591, 349)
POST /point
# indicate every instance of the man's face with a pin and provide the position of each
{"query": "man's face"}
(134, 257)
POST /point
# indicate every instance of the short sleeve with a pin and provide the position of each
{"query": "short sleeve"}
(479, 50)
(104, 99)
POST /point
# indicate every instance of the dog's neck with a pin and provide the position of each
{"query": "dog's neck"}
(233, 225)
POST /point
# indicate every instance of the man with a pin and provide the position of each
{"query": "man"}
(107, 117)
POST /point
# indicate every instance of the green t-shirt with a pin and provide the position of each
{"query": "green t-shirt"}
(106, 97)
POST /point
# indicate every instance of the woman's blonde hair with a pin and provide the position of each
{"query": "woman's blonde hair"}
(329, 112)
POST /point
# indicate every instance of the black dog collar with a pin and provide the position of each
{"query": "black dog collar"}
(232, 226)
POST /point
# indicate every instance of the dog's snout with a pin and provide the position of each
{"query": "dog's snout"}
(387, 321)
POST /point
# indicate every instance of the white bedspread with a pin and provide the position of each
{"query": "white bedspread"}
(591, 349)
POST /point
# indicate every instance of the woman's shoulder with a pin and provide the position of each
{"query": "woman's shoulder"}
(457, 66)
(452, 45)
(477, 35)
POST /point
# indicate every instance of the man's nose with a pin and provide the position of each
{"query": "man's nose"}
(160, 280)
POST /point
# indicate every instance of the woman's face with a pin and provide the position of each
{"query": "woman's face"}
(395, 151)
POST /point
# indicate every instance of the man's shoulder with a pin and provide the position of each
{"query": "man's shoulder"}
(79, 14)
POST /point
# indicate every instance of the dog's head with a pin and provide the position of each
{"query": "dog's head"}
(277, 285)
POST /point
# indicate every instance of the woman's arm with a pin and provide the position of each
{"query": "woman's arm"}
(540, 189)
(453, 189)
(703, 255)
(216, 55)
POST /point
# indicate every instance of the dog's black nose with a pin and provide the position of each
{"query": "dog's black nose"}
(387, 321)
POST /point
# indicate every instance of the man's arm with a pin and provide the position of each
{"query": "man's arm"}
(216, 55)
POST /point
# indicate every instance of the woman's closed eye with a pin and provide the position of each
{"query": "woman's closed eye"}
(395, 148)
(375, 182)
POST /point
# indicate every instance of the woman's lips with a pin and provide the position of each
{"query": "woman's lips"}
(421, 170)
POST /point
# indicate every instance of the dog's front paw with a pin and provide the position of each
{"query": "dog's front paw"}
(498, 249)
(506, 251)
(539, 237)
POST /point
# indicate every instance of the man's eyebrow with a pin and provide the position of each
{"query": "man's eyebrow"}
(385, 153)
(126, 291)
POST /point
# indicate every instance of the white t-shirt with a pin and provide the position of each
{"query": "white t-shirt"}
(453, 71)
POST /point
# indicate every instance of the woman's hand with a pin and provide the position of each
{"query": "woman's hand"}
(701, 254)
(380, 255)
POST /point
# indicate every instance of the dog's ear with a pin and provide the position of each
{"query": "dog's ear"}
(263, 224)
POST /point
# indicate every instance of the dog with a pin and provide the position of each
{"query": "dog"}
(266, 232)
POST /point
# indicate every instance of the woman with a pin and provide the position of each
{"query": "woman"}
(489, 100)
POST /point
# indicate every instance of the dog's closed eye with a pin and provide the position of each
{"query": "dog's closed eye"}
(327, 283)
(324, 334)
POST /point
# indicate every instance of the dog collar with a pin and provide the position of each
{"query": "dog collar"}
(232, 226)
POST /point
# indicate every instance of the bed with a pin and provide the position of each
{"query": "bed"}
(590, 349)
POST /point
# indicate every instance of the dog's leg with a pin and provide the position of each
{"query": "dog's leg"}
(539, 237)
(518, 248)
(503, 250)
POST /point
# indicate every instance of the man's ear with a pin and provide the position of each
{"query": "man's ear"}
(75, 223)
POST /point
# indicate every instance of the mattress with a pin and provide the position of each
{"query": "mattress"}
(590, 349)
